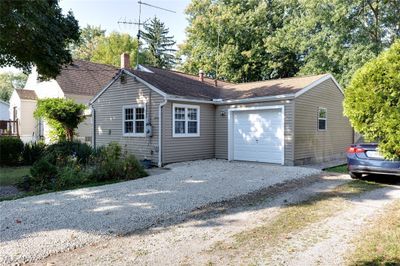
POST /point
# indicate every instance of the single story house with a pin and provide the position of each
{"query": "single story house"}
(168, 116)
(79, 81)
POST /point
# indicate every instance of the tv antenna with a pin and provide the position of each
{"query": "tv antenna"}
(139, 23)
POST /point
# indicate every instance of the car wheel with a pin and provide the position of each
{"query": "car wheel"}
(355, 175)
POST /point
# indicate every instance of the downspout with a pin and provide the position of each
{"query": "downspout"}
(160, 131)
(94, 127)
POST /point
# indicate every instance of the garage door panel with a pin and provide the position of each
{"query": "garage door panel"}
(258, 135)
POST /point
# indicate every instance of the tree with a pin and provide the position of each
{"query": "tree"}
(36, 33)
(10, 81)
(227, 38)
(372, 101)
(338, 36)
(88, 42)
(110, 48)
(261, 40)
(159, 44)
(63, 116)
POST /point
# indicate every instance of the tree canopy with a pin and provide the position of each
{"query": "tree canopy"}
(261, 40)
(110, 48)
(98, 47)
(88, 41)
(159, 44)
(372, 101)
(10, 81)
(63, 116)
(36, 33)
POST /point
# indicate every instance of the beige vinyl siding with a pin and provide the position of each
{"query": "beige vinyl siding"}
(108, 113)
(85, 128)
(221, 128)
(178, 149)
(312, 145)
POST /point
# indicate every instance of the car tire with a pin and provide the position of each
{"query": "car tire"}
(355, 175)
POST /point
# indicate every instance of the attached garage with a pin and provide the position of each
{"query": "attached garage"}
(257, 134)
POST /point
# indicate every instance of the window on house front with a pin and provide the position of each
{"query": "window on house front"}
(134, 120)
(186, 120)
(322, 118)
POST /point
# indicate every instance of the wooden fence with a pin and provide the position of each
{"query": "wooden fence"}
(9, 128)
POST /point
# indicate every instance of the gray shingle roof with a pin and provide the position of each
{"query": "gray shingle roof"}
(26, 94)
(185, 85)
(85, 78)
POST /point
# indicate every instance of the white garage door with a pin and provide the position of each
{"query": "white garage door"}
(258, 135)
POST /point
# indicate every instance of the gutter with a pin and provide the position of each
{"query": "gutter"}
(160, 131)
(225, 102)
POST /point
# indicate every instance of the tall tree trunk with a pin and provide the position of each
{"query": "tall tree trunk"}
(70, 134)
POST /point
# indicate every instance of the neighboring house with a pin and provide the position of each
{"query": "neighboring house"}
(168, 116)
(4, 114)
(22, 106)
(79, 81)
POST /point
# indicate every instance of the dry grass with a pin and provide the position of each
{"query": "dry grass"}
(295, 217)
(380, 243)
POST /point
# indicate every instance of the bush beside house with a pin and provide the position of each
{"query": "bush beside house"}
(69, 164)
(14, 152)
(11, 149)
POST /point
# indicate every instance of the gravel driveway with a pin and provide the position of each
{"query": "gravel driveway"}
(34, 227)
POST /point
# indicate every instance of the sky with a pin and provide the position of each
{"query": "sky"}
(107, 13)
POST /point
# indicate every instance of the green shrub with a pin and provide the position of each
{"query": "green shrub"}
(33, 151)
(107, 163)
(132, 168)
(59, 153)
(110, 164)
(67, 165)
(10, 150)
(72, 175)
(43, 174)
(372, 101)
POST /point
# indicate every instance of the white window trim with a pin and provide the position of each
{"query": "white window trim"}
(134, 134)
(326, 119)
(186, 134)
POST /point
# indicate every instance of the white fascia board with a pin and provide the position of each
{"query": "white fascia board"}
(225, 102)
(146, 83)
(316, 83)
(179, 99)
(257, 99)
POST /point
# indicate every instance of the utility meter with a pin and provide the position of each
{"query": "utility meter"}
(149, 130)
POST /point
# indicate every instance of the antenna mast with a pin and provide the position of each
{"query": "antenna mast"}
(140, 24)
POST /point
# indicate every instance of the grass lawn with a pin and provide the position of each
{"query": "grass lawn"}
(12, 175)
(380, 243)
(342, 169)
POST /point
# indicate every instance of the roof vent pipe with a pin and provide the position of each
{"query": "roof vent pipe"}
(201, 75)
